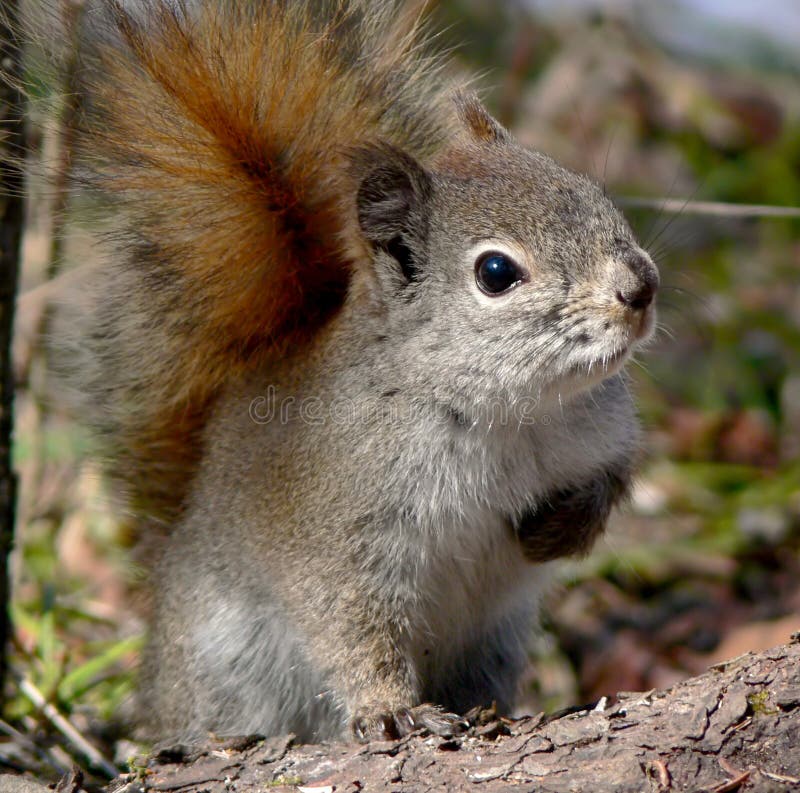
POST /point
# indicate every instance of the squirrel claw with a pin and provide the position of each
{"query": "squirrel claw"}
(439, 722)
(384, 723)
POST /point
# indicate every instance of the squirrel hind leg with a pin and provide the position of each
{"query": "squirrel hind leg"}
(487, 671)
(226, 658)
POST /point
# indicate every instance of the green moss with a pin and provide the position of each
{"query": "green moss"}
(288, 781)
(759, 704)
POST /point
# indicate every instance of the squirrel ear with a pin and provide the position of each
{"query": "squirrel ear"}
(480, 125)
(393, 191)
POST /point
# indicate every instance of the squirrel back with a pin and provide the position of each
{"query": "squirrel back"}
(219, 138)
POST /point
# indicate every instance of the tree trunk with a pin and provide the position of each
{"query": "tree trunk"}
(11, 219)
(737, 727)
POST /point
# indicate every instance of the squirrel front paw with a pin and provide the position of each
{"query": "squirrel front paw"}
(570, 520)
(379, 722)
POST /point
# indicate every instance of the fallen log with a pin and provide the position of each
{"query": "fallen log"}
(737, 727)
(734, 728)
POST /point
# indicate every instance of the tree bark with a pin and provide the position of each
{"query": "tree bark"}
(737, 727)
(11, 221)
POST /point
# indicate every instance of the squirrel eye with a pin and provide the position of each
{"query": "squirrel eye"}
(496, 273)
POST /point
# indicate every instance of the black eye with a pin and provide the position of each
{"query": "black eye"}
(497, 273)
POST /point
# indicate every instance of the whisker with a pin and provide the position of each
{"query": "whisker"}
(677, 214)
(703, 301)
(660, 213)
(608, 152)
(661, 328)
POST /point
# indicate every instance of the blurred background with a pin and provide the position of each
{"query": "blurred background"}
(686, 110)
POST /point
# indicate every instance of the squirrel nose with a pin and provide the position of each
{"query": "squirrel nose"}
(640, 284)
(638, 299)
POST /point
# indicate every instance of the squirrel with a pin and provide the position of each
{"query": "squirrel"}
(353, 357)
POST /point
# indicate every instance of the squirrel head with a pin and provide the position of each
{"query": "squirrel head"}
(501, 268)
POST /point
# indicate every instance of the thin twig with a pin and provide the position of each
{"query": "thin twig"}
(792, 780)
(663, 774)
(11, 225)
(717, 208)
(66, 728)
(729, 769)
(59, 754)
(33, 747)
(733, 784)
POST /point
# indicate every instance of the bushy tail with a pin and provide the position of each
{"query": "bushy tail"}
(216, 133)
